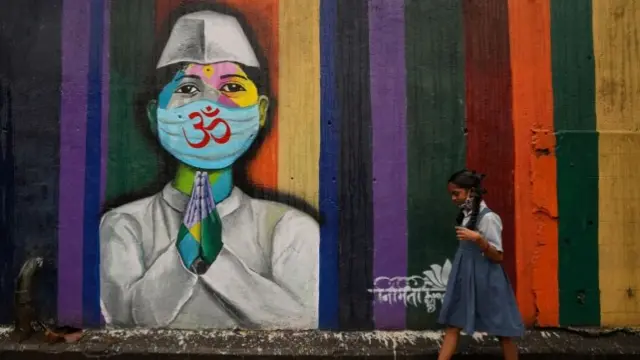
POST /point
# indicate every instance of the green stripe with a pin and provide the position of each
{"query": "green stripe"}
(435, 136)
(133, 159)
(577, 159)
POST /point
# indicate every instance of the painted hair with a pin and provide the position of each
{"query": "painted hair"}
(472, 181)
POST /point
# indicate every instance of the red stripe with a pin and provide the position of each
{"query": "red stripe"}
(490, 145)
(163, 9)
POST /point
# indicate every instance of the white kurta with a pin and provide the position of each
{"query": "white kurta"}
(266, 275)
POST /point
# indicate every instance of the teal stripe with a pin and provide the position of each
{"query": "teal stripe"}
(134, 155)
(577, 161)
(435, 137)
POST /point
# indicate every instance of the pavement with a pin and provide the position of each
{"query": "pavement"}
(142, 344)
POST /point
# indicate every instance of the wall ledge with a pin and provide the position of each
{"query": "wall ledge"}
(565, 344)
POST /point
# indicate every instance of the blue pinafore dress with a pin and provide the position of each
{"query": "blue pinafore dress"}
(479, 297)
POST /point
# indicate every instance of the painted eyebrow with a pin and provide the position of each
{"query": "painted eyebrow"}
(188, 77)
(232, 75)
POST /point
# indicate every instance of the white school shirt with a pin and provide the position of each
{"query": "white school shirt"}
(489, 226)
(265, 277)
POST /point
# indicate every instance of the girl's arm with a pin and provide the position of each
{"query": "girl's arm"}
(489, 251)
(490, 239)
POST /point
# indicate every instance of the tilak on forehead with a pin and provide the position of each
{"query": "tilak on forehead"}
(215, 75)
(212, 73)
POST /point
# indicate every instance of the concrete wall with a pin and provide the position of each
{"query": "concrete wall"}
(372, 105)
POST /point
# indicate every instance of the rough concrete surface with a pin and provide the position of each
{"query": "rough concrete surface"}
(175, 344)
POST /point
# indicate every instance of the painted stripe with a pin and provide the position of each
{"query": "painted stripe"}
(134, 161)
(577, 161)
(490, 144)
(617, 54)
(91, 247)
(31, 74)
(104, 117)
(435, 137)
(104, 129)
(7, 195)
(7, 198)
(388, 117)
(30, 105)
(299, 100)
(329, 165)
(73, 129)
(163, 10)
(355, 180)
(536, 207)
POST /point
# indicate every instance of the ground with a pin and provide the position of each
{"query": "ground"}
(547, 344)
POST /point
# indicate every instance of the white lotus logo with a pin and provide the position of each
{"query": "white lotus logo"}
(438, 276)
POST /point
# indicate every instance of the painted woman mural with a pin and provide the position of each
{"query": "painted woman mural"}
(201, 253)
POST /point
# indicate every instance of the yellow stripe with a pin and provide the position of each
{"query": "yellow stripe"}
(617, 54)
(299, 99)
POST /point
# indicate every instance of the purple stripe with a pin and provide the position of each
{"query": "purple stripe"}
(105, 101)
(73, 129)
(388, 111)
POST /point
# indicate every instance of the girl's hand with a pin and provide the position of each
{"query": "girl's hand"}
(468, 235)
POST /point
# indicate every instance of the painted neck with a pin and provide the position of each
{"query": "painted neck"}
(221, 181)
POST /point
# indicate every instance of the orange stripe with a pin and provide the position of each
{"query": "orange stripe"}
(535, 162)
(262, 16)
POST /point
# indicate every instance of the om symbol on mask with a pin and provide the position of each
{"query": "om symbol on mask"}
(206, 129)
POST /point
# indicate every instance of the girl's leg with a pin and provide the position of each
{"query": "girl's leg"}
(509, 348)
(449, 344)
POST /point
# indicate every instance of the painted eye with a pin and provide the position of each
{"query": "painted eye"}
(232, 87)
(187, 89)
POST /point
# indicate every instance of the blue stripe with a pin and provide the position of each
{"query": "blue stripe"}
(329, 162)
(91, 250)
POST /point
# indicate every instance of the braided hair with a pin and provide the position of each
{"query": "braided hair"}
(472, 181)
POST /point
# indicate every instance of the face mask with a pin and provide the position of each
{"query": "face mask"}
(207, 135)
(467, 205)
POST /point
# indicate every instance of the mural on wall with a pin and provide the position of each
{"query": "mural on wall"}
(201, 253)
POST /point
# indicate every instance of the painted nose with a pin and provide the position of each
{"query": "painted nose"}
(211, 94)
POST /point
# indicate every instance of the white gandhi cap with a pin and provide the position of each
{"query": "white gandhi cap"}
(207, 37)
